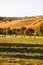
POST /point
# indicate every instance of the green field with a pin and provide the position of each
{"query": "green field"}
(21, 39)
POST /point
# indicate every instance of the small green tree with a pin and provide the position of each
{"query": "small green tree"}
(7, 31)
(39, 30)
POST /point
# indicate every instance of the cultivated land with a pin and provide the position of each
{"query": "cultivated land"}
(21, 50)
(21, 54)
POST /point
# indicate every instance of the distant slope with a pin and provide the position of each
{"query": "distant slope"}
(20, 22)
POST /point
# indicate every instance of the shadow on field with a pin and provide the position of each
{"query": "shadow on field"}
(20, 44)
(23, 56)
(21, 50)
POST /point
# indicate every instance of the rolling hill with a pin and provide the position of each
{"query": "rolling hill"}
(17, 22)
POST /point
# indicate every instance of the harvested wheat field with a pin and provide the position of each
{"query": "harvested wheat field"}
(21, 22)
(21, 54)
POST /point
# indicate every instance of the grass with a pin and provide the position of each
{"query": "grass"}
(21, 39)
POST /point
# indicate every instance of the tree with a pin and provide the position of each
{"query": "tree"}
(30, 31)
(18, 32)
(22, 31)
(14, 31)
(1, 30)
(7, 31)
(39, 30)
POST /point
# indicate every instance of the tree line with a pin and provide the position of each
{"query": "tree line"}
(23, 31)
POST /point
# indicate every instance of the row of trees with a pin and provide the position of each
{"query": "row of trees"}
(23, 31)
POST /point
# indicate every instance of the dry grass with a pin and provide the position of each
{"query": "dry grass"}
(18, 61)
(5, 60)
(27, 22)
(20, 39)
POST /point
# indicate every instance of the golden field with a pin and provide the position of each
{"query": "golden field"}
(18, 22)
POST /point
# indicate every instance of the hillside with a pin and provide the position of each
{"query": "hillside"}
(17, 22)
